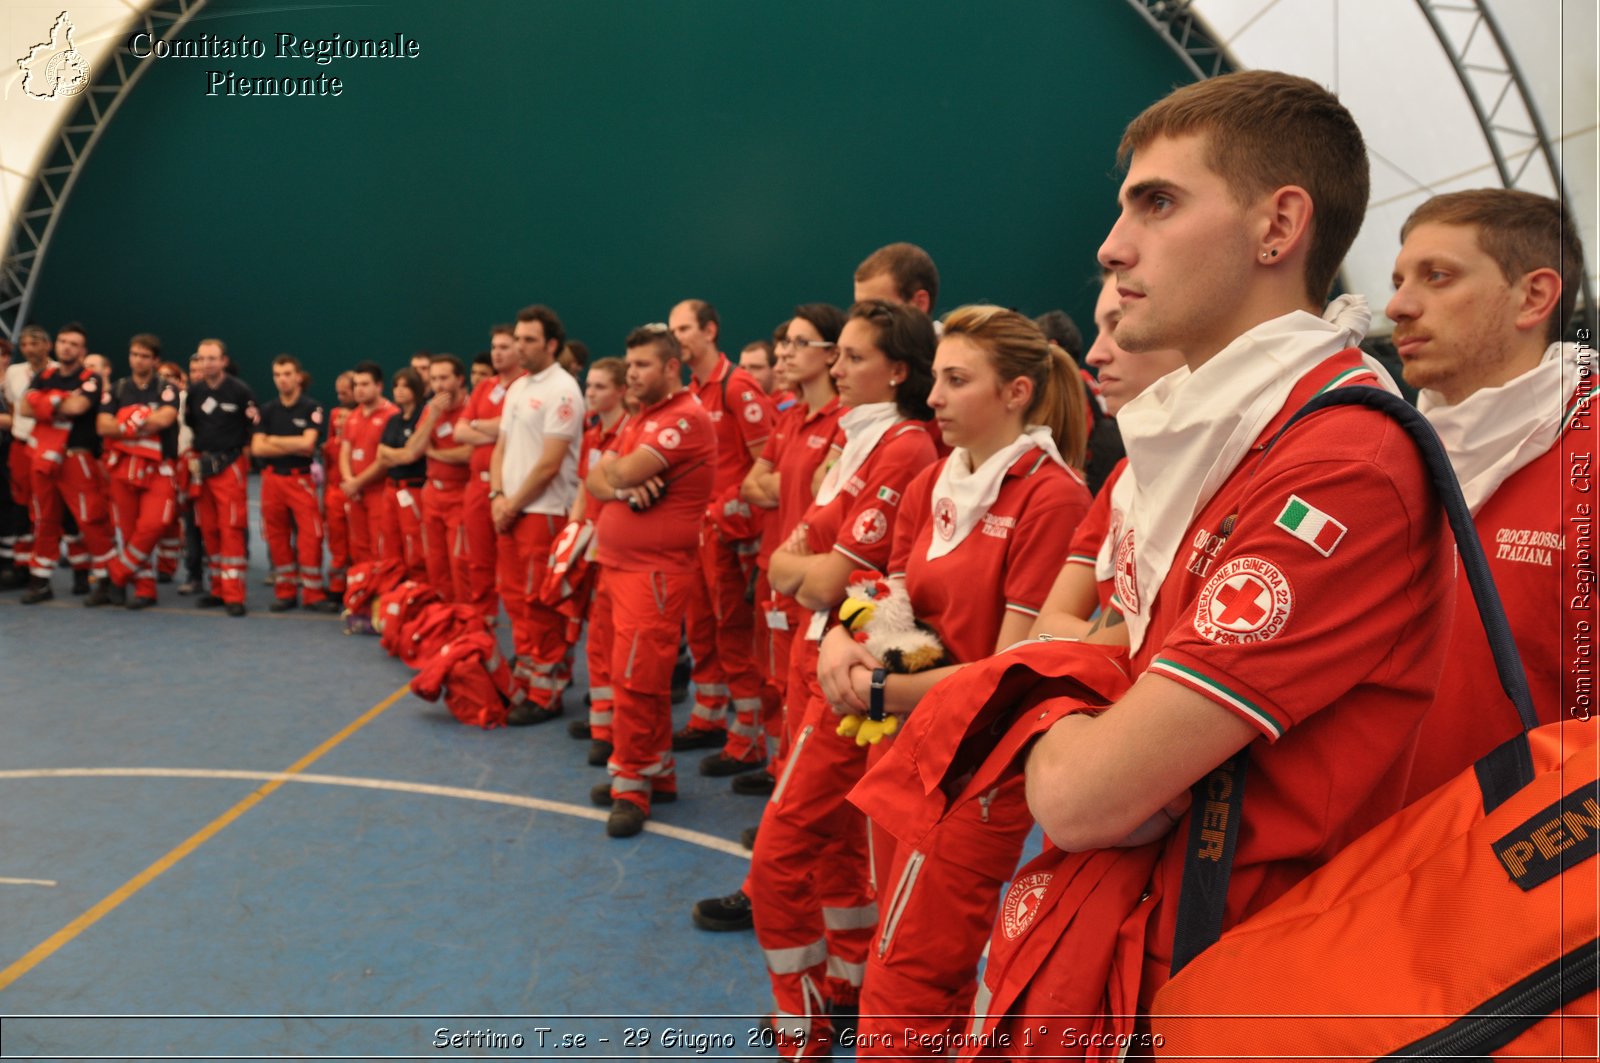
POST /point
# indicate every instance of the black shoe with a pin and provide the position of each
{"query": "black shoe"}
(236, 609)
(140, 603)
(754, 783)
(718, 765)
(698, 738)
(282, 605)
(38, 591)
(163, 577)
(117, 595)
(724, 913)
(206, 601)
(747, 838)
(600, 795)
(626, 819)
(80, 581)
(99, 596)
(326, 605)
(599, 752)
(528, 713)
(579, 729)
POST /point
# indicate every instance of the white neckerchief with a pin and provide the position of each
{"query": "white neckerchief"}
(1493, 432)
(962, 494)
(1188, 431)
(863, 427)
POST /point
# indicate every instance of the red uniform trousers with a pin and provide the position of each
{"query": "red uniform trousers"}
(775, 648)
(922, 970)
(810, 882)
(483, 544)
(76, 486)
(405, 515)
(444, 540)
(20, 471)
(727, 587)
(710, 689)
(538, 632)
(144, 503)
(644, 649)
(336, 530)
(223, 512)
(372, 527)
(602, 633)
(289, 510)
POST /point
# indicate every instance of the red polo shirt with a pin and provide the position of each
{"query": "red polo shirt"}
(665, 537)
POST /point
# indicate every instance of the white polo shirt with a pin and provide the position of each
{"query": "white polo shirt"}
(19, 375)
(541, 406)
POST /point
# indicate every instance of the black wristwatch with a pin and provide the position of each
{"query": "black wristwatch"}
(880, 676)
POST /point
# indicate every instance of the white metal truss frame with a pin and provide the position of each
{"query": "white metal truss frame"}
(58, 173)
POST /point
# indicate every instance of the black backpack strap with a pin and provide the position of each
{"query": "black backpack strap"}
(1215, 814)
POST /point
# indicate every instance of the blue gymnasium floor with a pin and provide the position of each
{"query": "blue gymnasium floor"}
(167, 893)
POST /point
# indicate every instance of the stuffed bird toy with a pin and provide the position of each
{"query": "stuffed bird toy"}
(877, 613)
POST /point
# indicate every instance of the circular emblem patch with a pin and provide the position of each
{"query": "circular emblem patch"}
(944, 518)
(1248, 600)
(669, 438)
(1022, 903)
(752, 413)
(1125, 581)
(870, 527)
(316, 416)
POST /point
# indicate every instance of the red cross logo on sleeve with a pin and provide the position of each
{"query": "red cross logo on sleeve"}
(1249, 599)
(1241, 604)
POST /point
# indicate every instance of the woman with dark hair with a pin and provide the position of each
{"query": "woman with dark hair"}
(406, 468)
(810, 884)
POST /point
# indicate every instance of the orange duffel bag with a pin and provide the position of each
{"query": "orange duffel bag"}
(1462, 927)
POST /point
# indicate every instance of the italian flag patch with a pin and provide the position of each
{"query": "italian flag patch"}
(1310, 525)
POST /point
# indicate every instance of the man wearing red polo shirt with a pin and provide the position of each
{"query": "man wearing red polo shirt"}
(662, 471)
(479, 427)
(444, 492)
(360, 475)
(1484, 282)
(722, 621)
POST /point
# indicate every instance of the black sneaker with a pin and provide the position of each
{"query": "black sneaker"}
(140, 603)
(117, 595)
(599, 752)
(578, 729)
(720, 765)
(754, 783)
(626, 819)
(528, 713)
(326, 605)
(99, 596)
(80, 581)
(600, 795)
(724, 913)
(282, 605)
(692, 737)
(208, 601)
(236, 609)
(747, 838)
(38, 591)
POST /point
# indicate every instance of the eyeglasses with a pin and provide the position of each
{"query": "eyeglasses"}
(793, 344)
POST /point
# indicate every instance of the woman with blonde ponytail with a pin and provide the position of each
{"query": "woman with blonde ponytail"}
(981, 536)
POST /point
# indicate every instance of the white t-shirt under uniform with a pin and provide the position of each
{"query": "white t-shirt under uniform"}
(541, 406)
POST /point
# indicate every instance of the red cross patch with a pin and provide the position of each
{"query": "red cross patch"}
(944, 518)
(870, 527)
(1249, 599)
(1022, 903)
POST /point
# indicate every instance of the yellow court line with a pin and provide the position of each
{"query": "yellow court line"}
(42, 951)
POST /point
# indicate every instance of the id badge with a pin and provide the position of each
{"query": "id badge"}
(403, 497)
(819, 624)
(777, 620)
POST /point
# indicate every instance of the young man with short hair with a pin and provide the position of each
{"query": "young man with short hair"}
(139, 420)
(372, 524)
(900, 273)
(479, 426)
(1233, 565)
(442, 496)
(285, 442)
(221, 409)
(533, 481)
(1484, 281)
(662, 471)
(67, 477)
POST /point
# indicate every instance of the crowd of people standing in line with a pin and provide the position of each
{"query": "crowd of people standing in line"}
(974, 468)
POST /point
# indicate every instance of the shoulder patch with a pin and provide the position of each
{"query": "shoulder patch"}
(1249, 599)
(669, 438)
(870, 527)
(1311, 525)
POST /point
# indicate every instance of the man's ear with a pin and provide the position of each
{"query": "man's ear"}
(922, 301)
(1541, 297)
(1287, 224)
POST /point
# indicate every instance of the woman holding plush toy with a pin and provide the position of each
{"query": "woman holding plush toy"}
(810, 885)
(980, 539)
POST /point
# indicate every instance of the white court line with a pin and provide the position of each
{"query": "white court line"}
(27, 882)
(539, 804)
